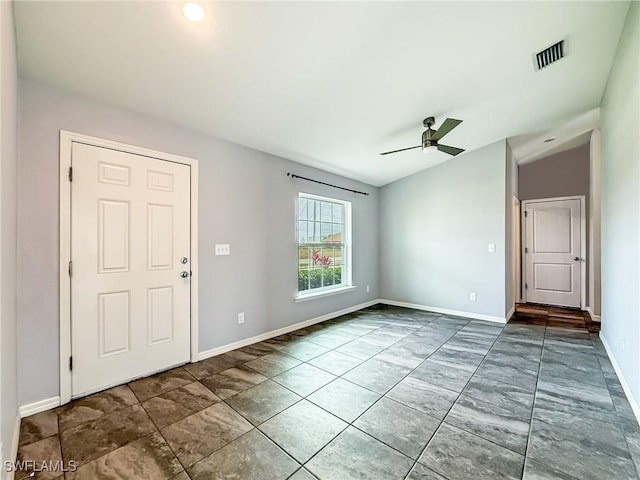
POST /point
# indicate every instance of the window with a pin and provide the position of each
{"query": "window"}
(324, 244)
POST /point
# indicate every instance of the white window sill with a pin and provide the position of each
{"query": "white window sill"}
(324, 293)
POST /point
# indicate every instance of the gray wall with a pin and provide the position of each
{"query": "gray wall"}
(8, 161)
(245, 200)
(620, 124)
(561, 175)
(435, 228)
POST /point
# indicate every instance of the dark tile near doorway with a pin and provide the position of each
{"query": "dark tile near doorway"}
(148, 387)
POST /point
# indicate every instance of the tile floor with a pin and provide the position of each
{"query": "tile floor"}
(383, 393)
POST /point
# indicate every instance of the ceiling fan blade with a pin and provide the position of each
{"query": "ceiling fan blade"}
(450, 150)
(401, 150)
(448, 125)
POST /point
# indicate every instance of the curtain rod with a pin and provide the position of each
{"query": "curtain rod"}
(292, 175)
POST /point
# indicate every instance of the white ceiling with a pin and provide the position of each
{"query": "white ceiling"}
(331, 84)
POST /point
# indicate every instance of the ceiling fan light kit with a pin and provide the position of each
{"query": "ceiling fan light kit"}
(430, 138)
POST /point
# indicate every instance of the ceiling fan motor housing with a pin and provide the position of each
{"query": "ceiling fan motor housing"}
(426, 139)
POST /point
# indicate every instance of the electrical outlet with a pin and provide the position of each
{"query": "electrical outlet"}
(473, 297)
(368, 289)
(223, 249)
(240, 318)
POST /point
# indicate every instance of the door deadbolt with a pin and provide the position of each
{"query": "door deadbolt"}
(184, 260)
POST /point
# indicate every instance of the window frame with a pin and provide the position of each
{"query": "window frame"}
(346, 264)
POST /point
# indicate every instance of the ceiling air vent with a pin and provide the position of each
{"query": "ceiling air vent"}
(549, 55)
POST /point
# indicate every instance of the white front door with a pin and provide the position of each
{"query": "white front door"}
(553, 252)
(130, 242)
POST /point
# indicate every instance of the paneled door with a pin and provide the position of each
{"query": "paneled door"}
(130, 279)
(553, 252)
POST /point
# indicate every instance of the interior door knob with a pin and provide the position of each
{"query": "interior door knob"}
(184, 274)
(577, 259)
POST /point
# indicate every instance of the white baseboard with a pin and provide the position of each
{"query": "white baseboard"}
(445, 311)
(594, 317)
(625, 386)
(39, 406)
(281, 331)
(510, 314)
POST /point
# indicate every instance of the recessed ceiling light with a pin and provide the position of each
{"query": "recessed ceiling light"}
(550, 139)
(193, 11)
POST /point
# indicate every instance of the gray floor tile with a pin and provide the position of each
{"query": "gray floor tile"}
(302, 474)
(600, 455)
(501, 394)
(430, 399)
(204, 432)
(273, 364)
(360, 348)
(149, 457)
(583, 401)
(303, 429)
(499, 424)
(377, 375)
(304, 350)
(263, 401)
(335, 362)
(507, 374)
(176, 404)
(234, 380)
(444, 376)
(457, 454)
(344, 399)
(304, 379)
(467, 361)
(403, 428)
(356, 455)
(420, 472)
(251, 457)
(537, 471)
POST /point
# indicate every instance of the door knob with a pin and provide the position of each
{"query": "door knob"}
(184, 274)
(184, 260)
(577, 259)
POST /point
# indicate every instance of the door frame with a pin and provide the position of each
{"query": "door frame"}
(66, 140)
(584, 255)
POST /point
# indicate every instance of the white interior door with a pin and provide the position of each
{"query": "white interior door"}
(553, 252)
(130, 242)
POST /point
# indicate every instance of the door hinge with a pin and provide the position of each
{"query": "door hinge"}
(526, 286)
(71, 363)
(526, 214)
(526, 250)
(70, 174)
(70, 268)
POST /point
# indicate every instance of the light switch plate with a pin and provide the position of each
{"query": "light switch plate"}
(223, 249)
(492, 248)
(473, 297)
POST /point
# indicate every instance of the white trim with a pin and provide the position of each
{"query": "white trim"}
(15, 439)
(39, 406)
(66, 140)
(625, 386)
(323, 293)
(510, 313)
(281, 331)
(594, 317)
(584, 255)
(445, 311)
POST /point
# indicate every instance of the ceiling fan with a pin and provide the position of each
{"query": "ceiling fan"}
(431, 137)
